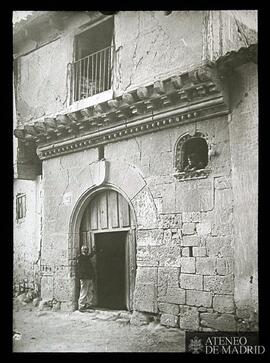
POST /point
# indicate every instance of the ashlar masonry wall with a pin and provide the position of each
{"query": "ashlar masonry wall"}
(185, 261)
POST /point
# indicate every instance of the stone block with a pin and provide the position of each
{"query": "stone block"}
(224, 322)
(223, 303)
(147, 255)
(168, 308)
(168, 276)
(199, 251)
(189, 318)
(187, 264)
(169, 255)
(185, 252)
(188, 228)
(195, 196)
(205, 265)
(175, 295)
(149, 237)
(219, 246)
(199, 298)
(169, 320)
(145, 210)
(145, 298)
(203, 228)
(219, 284)
(190, 241)
(146, 275)
(191, 217)
(167, 236)
(191, 282)
(170, 221)
(138, 318)
(224, 266)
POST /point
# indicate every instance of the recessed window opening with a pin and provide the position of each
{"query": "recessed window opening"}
(195, 154)
(20, 206)
(91, 71)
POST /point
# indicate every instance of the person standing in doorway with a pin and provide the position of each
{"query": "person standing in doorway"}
(86, 276)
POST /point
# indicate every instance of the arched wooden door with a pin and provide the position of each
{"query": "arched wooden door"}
(108, 228)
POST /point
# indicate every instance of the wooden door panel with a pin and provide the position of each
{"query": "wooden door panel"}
(113, 210)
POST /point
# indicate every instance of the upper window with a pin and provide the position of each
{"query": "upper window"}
(91, 70)
(195, 154)
(191, 156)
(20, 206)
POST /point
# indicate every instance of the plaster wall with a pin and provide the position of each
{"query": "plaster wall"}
(27, 234)
(244, 157)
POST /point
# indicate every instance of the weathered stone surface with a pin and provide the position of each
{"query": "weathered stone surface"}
(191, 282)
(169, 320)
(203, 228)
(167, 236)
(145, 298)
(199, 251)
(168, 276)
(147, 256)
(195, 196)
(146, 275)
(219, 246)
(223, 303)
(187, 264)
(47, 287)
(199, 298)
(191, 217)
(190, 241)
(189, 318)
(169, 308)
(170, 221)
(175, 296)
(224, 322)
(145, 210)
(138, 318)
(185, 251)
(188, 228)
(219, 284)
(224, 266)
(149, 237)
(223, 182)
(205, 265)
(169, 255)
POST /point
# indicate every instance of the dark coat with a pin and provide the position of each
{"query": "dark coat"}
(85, 267)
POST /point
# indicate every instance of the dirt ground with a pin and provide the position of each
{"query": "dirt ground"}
(98, 331)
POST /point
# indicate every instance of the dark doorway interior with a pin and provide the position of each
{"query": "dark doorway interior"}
(111, 270)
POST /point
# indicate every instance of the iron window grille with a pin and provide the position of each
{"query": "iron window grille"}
(92, 74)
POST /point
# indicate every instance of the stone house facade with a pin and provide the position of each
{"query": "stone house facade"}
(108, 108)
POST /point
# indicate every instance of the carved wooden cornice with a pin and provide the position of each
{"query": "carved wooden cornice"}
(188, 97)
